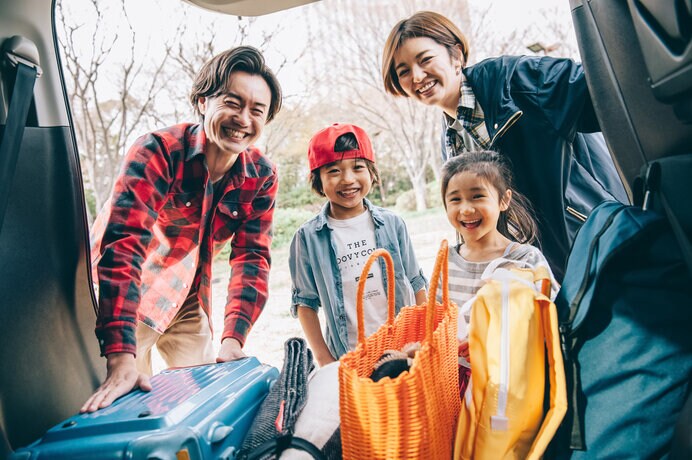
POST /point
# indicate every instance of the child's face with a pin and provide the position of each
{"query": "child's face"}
(346, 183)
(428, 73)
(474, 206)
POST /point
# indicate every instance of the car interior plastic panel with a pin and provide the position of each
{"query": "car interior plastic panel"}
(637, 56)
(49, 355)
(636, 99)
(247, 7)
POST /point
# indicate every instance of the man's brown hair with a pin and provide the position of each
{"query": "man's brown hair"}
(212, 79)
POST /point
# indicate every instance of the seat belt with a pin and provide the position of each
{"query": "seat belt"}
(19, 103)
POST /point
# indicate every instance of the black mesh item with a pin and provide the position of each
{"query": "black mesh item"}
(332, 449)
(273, 427)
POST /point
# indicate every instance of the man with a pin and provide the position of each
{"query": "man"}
(183, 192)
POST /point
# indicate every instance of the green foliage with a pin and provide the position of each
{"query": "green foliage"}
(406, 201)
(286, 222)
(90, 202)
(299, 196)
(299, 205)
(432, 194)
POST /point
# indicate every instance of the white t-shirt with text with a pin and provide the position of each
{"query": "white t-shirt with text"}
(354, 241)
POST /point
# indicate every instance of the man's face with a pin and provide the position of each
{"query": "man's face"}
(234, 119)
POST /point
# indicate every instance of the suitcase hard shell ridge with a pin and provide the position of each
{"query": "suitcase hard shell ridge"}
(200, 412)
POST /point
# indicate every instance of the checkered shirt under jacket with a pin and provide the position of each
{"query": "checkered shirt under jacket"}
(470, 117)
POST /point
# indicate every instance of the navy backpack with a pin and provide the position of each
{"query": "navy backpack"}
(626, 324)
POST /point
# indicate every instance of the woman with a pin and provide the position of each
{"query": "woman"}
(536, 111)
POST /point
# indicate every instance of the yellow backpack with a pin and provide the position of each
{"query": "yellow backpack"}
(513, 328)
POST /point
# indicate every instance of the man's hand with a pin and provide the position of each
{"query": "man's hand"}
(230, 350)
(122, 377)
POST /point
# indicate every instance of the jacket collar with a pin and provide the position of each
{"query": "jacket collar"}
(491, 80)
(324, 213)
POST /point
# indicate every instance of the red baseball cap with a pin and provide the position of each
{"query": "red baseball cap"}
(321, 148)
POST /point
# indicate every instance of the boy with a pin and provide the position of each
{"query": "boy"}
(327, 252)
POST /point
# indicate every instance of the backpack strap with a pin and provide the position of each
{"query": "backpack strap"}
(542, 274)
(276, 446)
(537, 274)
(556, 375)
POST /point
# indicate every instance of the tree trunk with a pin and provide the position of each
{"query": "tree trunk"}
(419, 191)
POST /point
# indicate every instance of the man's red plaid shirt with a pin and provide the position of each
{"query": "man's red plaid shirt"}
(160, 226)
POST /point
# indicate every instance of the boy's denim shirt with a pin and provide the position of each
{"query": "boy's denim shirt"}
(317, 280)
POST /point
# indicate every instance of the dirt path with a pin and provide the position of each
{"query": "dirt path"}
(275, 325)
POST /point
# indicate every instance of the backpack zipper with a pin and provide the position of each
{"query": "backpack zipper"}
(576, 214)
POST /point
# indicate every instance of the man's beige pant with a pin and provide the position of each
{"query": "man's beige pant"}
(186, 342)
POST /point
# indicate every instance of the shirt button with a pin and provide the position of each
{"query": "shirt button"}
(188, 204)
(235, 213)
(495, 126)
(185, 285)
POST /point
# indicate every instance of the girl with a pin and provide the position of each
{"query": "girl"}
(327, 252)
(535, 110)
(494, 223)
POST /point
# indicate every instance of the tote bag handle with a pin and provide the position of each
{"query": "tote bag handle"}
(439, 268)
(361, 291)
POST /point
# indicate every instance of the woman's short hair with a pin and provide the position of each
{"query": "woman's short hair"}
(422, 24)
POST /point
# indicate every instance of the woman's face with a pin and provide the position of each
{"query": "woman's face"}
(428, 73)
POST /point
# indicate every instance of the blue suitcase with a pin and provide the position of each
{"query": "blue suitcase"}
(198, 412)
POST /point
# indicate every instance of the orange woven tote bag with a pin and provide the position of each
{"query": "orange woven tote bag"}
(414, 415)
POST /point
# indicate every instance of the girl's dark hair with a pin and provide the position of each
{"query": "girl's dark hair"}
(343, 143)
(212, 79)
(517, 222)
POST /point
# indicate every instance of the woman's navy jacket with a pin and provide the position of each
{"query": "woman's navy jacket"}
(539, 114)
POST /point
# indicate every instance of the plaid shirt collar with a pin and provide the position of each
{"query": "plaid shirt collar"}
(198, 144)
(470, 118)
(241, 169)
